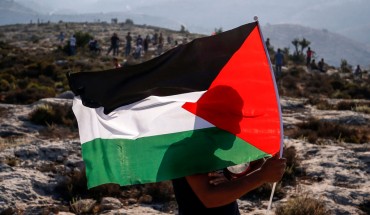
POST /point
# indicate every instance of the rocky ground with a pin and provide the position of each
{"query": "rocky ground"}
(32, 166)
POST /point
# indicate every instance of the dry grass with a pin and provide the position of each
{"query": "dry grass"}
(303, 204)
(298, 83)
(293, 169)
(53, 114)
(8, 142)
(73, 187)
(357, 106)
(313, 129)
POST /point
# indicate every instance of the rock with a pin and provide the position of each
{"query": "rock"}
(109, 203)
(146, 199)
(26, 152)
(131, 201)
(66, 95)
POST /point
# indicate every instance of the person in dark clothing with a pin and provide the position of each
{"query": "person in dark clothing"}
(313, 65)
(128, 44)
(279, 59)
(114, 45)
(94, 46)
(321, 65)
(146, 43)
(309, 54)
(188, 202)
(213, 192)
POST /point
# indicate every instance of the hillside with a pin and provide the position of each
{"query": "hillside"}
(325, 117)
(12, 12)
(331, 46)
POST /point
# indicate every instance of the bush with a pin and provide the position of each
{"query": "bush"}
(313, 129)
(292, 166)
(4, 85)
(82, 38)
(53, 114)
(28, 95)
(302, 205)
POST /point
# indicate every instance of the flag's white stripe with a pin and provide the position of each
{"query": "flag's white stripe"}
(151, 116)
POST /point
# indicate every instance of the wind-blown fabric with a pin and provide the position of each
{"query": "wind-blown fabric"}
(199, 107)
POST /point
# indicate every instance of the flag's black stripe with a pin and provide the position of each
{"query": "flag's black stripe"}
(186, 68)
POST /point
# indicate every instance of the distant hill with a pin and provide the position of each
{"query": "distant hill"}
(12, 12)
(330, 46)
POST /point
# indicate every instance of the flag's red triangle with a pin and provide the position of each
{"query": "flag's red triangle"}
(242, 99)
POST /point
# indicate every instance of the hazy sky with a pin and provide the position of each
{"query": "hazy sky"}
(341, 16)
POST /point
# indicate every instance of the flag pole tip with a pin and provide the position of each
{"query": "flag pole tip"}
(255, 18)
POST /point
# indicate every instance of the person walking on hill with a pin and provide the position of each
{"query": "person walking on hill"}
(128, 44)
(321, 65)
(358, 72)
(160, 44)
(146, 43)
(309, 55)
(114, 44)
(279, 60)
(61, 38)
(72, 45)
(313, 65)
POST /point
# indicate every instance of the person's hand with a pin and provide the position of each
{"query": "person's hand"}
(273, 169)
(217, 178)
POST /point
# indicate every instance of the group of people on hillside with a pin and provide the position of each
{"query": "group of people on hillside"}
(134, 47)
(141, 45)
(279, 60)
(311, 63)
(72, 43)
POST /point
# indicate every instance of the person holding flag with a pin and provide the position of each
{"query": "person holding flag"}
(201, 107)
(214, 192)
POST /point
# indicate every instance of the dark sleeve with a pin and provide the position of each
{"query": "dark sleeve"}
(189, 204)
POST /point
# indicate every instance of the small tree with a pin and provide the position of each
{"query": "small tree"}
(295, 43)
(345, 67)
(82, 39)
(299, 46)
(218, 30)
(304, 44)
(129, 22)
(183, 29)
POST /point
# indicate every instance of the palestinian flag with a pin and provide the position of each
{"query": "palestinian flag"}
(199, 107)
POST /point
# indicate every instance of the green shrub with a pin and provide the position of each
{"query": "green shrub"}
(28, 95)
(82, 38)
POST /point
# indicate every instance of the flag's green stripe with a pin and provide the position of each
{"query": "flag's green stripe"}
(163, 157)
